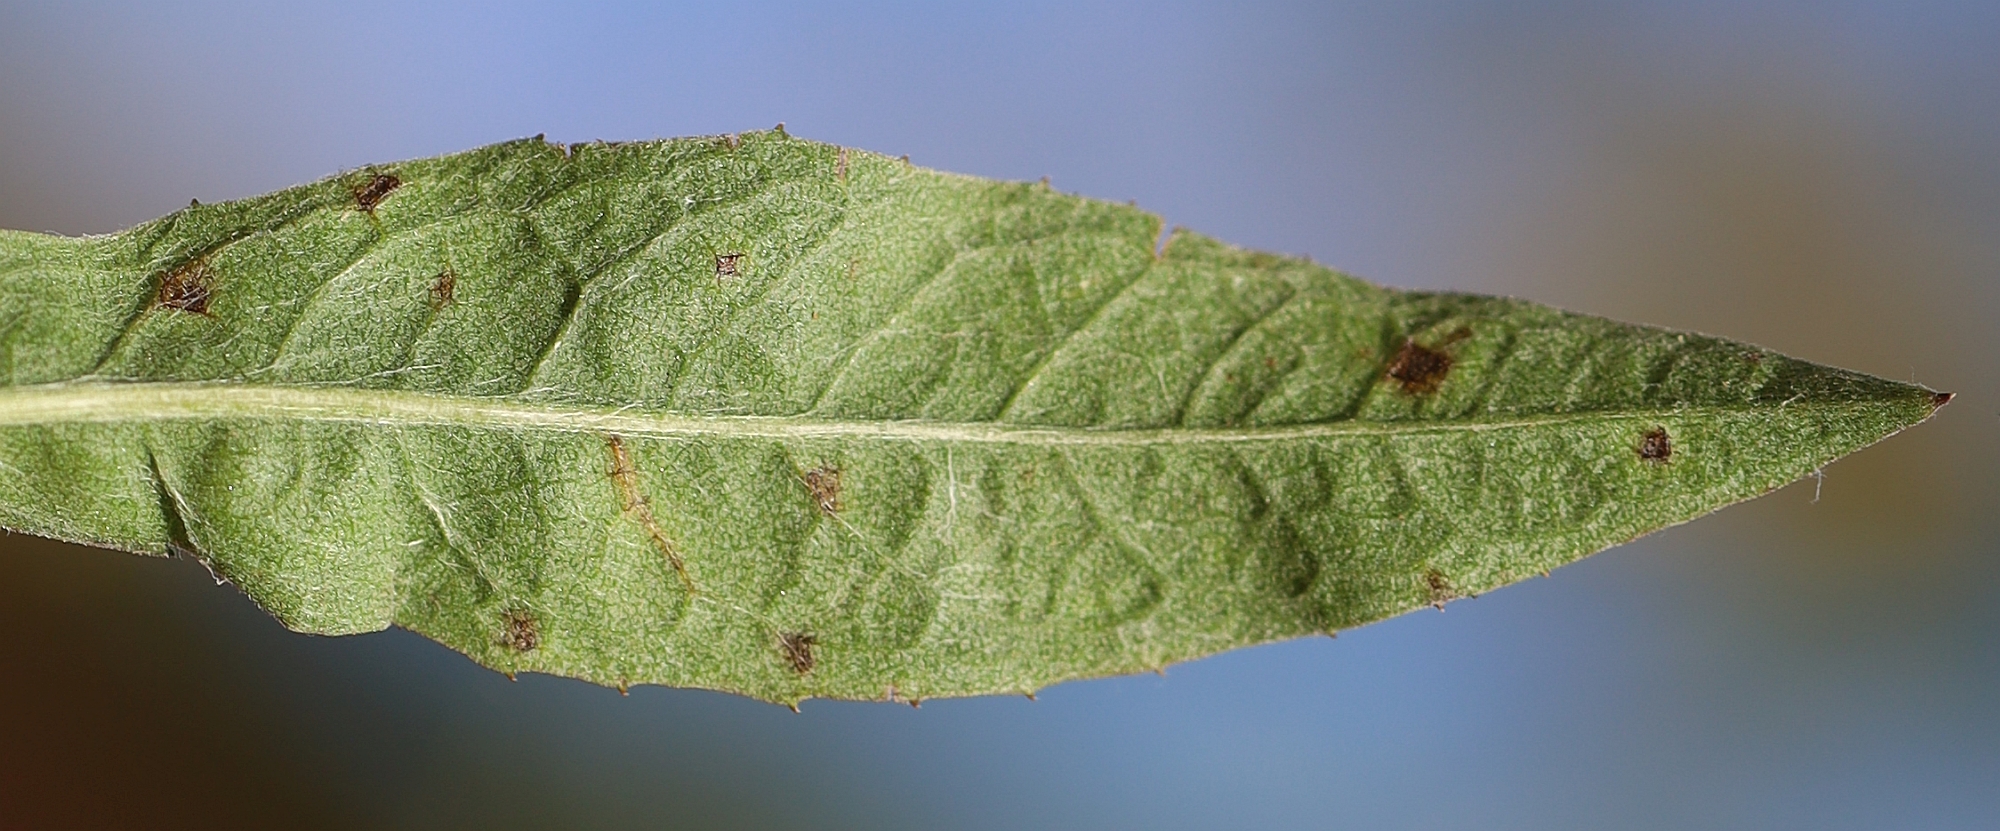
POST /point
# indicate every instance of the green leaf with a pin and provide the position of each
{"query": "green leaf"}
(785, 419)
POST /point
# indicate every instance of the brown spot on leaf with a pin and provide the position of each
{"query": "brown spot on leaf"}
(186, 287)
(726, 265)
(840, 164)
(1419, 369)
(1940, 399)
(444, 289)
(1438, 587)
(520, 632)
(1655, 446)
(797, 648)
(823, 483)
(368, 195)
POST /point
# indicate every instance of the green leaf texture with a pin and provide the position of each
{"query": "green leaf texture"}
(764, 415)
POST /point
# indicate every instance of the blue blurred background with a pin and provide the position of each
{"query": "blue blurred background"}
(1817, 177)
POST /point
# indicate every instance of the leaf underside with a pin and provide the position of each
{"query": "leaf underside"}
(763, 415)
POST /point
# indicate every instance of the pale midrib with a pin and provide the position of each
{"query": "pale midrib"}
(183, 401)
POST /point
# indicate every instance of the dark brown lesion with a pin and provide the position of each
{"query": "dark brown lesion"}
(187, 287)
(371, 193)
(519, 631)
(797, 649)
(1656, 446)
(1422, 369)
(444, 289)
(823, 483)
(728, 265)
(1438, 588)
(1419, 369)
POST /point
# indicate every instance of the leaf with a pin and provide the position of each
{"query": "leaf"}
(785, 419)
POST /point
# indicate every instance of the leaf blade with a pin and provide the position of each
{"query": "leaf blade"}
(908, 434)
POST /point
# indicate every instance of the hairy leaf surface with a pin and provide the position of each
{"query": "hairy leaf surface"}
(785, 419)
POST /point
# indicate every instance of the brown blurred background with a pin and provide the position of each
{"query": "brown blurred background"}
(1820, 178)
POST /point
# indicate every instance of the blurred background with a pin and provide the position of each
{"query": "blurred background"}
(1817, 177)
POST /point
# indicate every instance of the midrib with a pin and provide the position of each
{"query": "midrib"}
(99, 402)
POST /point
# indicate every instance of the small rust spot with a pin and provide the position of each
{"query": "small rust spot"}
(186, 287)
(823, 483)
(1940, 399)
(1655, 446)
(521, 633)
(1438, 587)
(1420, 370)
(367, 196)
(444, 289)
(726, 265)
(798, 650)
